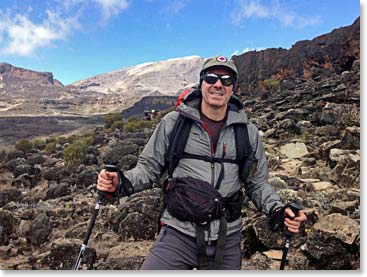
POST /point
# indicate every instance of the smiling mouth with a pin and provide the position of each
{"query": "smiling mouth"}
(216, 93)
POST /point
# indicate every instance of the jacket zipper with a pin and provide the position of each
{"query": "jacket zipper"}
(213, 175)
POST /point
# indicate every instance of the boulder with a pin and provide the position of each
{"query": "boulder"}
(12, 164)
(351, 138)
(265, 236)
(118, 151)
(126, 263)
(8, 195)
(128, 162)
(90, 159)
(56, 173)
(294, 150)
(22, 181)
(86, 178)
(40, 229)
(333, 243)
(8, 224)
(57, 190)
(138, 217)
(64, 253)
(258, 262)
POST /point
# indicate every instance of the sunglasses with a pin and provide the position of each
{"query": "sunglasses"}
(212, 78)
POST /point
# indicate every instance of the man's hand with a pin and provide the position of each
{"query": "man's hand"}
(107, 181)
(291, 222)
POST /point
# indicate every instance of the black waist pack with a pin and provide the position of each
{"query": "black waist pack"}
(190, 199)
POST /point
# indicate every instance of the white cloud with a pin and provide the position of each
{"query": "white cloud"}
(111, 8)
(246, 9)
(20, 36)
(174, 7)
(238, 52)
(23, 34)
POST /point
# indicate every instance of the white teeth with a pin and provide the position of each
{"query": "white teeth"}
(217, 93)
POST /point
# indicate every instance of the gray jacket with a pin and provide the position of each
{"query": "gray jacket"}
(151, 163)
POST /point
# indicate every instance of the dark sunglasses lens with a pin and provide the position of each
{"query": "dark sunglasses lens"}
(226, 80)
(211, 78)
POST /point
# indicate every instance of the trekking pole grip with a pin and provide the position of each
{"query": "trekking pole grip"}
(295, 209)
(106, 194)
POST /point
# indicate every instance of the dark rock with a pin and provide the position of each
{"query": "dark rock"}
(128, 162)
(257, 262)
(250, 242)
(127, 263)
(15, 154)
(118, 151)
(56, 174)
(22, 181)
(90, 159)
(7, 195)
(351, 138)
(86, 178)
(12, 164)
(40, 229)
(35, 159)
(23, 169)
(64, 253)
(58, 190)
(138, 217)
(265, 236)
(7, 226)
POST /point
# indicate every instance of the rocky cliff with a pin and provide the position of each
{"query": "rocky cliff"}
(331, 53)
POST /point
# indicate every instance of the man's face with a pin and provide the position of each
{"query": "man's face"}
(216, 95)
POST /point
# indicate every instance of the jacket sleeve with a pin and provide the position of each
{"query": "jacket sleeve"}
(151, 162)
(258, 189)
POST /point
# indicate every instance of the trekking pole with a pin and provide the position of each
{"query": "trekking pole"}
(101, 195)
(288, 235)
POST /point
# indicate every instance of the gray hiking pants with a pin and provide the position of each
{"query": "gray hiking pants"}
(176, 250)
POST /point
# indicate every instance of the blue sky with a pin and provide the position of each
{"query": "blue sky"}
(76, 39)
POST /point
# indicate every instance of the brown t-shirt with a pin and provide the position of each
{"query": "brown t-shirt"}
(213, 127)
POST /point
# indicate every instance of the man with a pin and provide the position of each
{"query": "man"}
(184, 242)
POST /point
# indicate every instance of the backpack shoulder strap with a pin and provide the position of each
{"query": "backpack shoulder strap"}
(244, 151)
(177, 142)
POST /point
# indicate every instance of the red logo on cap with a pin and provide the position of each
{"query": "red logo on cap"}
(221, 59)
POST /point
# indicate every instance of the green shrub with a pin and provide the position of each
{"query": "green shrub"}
(132, 118)
(23, 145)
(110, 119)
(89, 138)
(118, 125)
(50, 148)
(131, 126)
(273, 84)
(75, 153)
(135, 126)
(39, 144)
